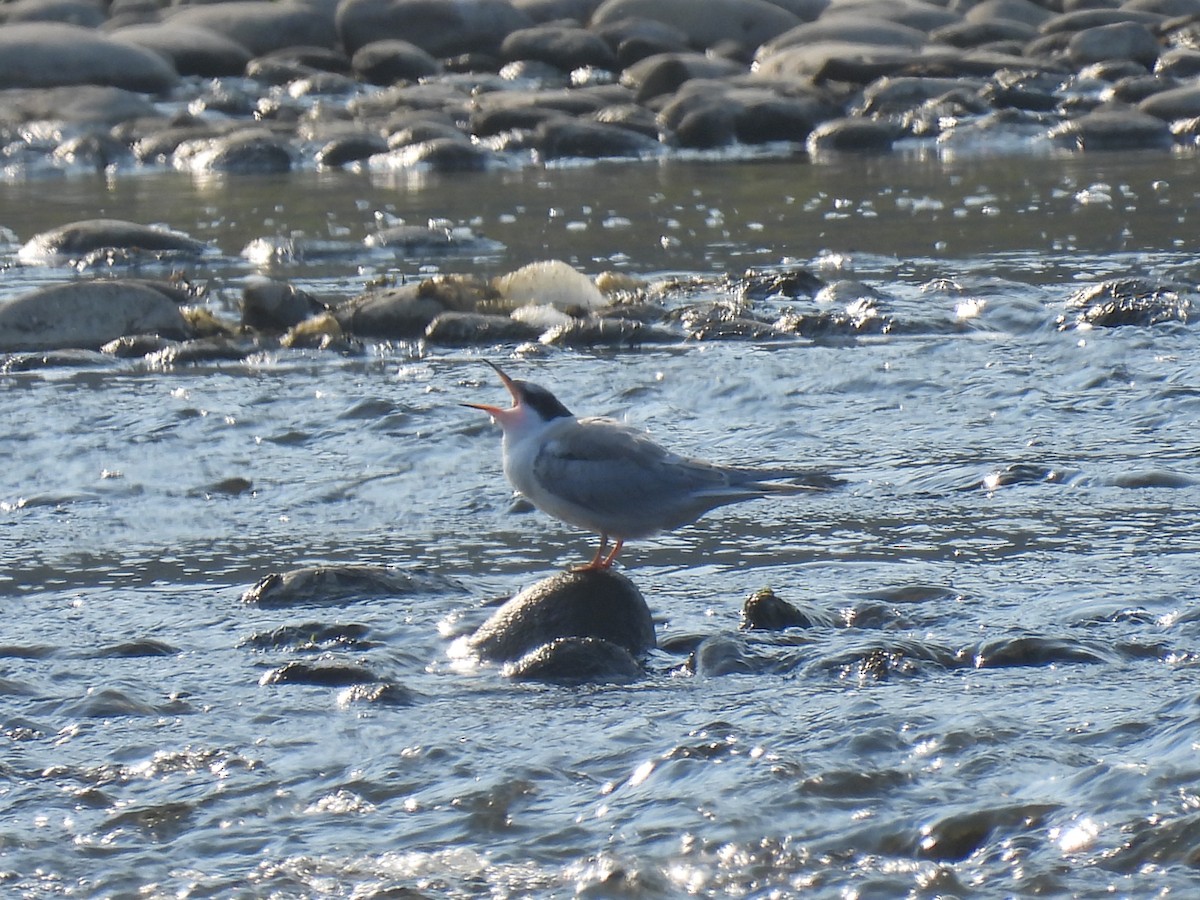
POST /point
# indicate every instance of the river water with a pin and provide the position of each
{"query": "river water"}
(1002, 697)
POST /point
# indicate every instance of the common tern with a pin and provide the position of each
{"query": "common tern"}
(608, 478)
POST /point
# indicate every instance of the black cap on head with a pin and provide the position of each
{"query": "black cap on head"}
(544, 403)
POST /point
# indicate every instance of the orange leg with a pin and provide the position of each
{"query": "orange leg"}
(598, 561)
(608, 560)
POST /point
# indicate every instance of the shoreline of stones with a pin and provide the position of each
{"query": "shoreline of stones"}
(168, 321)
(246, 86)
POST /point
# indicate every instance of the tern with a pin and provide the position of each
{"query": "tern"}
(610, 479)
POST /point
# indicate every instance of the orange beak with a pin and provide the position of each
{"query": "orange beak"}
(498, 412)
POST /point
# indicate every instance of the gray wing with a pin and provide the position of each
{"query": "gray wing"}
(618, 472)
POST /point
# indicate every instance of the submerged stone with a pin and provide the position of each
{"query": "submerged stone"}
(340, 584)
(1126, 301)
(321, 674)
(576, 659)
(763, 610)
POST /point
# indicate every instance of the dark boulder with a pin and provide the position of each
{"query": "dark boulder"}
(275, 306)
(592, 604)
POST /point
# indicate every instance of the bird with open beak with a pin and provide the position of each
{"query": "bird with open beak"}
(602, 476)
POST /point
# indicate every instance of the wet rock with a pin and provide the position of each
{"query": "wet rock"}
(320, 332)
(1026, 11)
(924, 17)
(631, 117)
(72, 12)
(748, 23)
(408, 129)
(202, 351)
(323, 58)
(762, 116)
(878, 661)
(52, 359)
(1019, 473)
(635, 39)
(274, 306)
(137, 648)
(448, 154)
(320, 674)
(965, 34)
(1033, 650)
(248, 151)
(849, 30)
(763, 284)
(490, 121)
(1135, 88)
(892, 95)
(557, 138)
(764, 611)
(160, 145)
(87, 314)
(341, 584)
(389, 61)
(834, 61)
(722, 322)
(1121, 40)
(706, 114)
(260, 27)
(310, 636)
(440, 29)
(432, 240)
(1176, 103)
(574, 659)
(852, 135)
(1126, 301)
(48, 54)
(458, 329)
(664, 73)
(607, 332)
(596, 604)
(135, 345)
(1178, 62)
(720, 655)
(1082, 19)
(1114, 130)
(341, 151)
(561, 46)
(955, 837)
(191, 50)
(379, 693)
(75, 239)
(399, 313)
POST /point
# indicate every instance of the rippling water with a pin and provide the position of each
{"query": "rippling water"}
(1002, 699)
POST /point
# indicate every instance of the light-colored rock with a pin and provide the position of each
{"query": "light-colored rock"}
(87, 315)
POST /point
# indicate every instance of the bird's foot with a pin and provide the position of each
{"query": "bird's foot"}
(596, 565)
